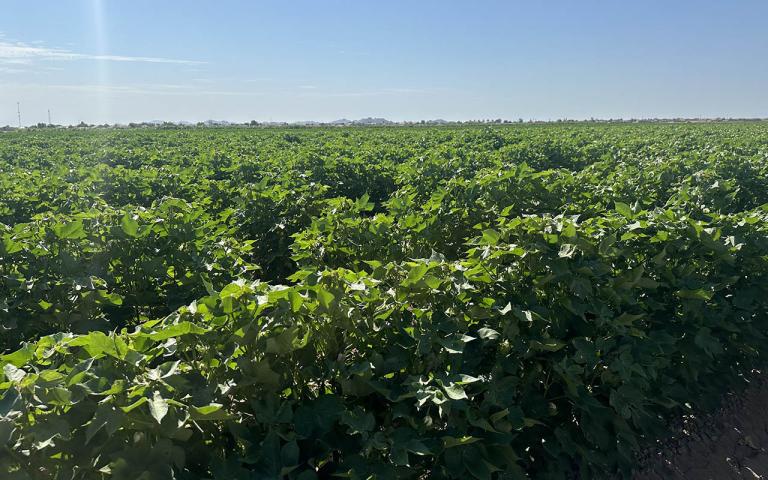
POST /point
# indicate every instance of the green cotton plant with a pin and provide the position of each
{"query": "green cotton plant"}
(104, 270)
(269, 215)
(553, 343)
(347, 235)
(241, 388)
(489, 302)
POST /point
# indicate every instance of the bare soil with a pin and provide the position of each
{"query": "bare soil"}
(731, 443)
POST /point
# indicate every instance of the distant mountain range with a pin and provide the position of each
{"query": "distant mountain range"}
(365, 121)
(371, 121)
(341, 121)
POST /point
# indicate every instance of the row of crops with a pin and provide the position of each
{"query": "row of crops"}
(517, 302)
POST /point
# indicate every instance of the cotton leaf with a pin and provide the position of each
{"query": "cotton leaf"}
(158, 407)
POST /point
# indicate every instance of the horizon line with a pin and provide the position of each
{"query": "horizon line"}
(381, 121)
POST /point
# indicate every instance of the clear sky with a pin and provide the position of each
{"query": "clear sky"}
(120, 61)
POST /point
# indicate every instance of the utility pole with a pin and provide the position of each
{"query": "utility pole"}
(18, 111)
(49, 117)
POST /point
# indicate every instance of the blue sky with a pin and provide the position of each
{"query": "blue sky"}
(116, 61)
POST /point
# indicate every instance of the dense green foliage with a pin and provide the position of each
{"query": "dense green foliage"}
(517, 302)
